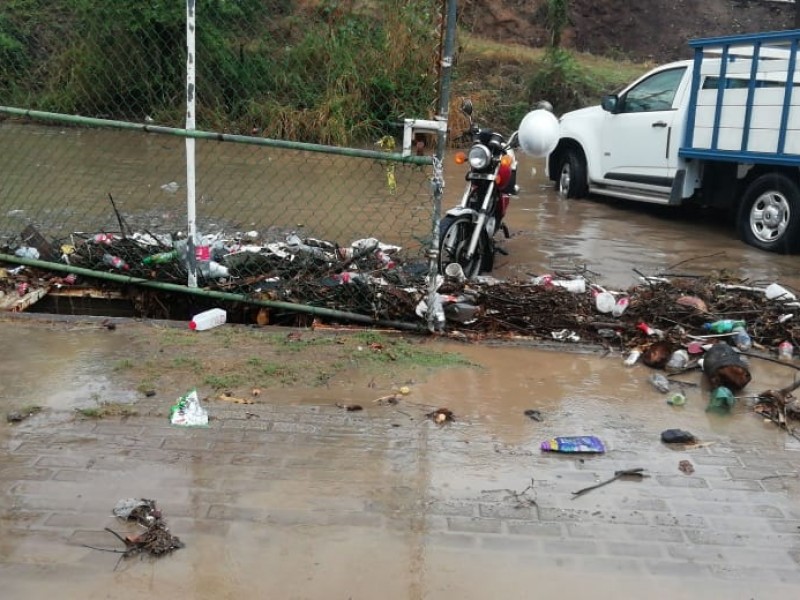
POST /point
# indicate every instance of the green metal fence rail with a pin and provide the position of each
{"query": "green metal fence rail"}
(301, 191)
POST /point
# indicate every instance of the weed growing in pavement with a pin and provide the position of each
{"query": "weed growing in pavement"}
(107, 409)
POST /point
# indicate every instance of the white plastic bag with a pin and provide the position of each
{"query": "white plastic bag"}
(188, 412)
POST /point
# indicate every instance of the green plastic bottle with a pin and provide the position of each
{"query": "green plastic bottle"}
(723, 326)
(160, 258)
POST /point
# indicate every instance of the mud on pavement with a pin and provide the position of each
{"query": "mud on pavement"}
(289, 494)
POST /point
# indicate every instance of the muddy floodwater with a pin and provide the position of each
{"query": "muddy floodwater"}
(59, 179)
(288, 494)
(294, 496)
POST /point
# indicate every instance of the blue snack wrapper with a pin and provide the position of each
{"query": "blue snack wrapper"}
(575, 444)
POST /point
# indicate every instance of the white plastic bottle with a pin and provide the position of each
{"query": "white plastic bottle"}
(208, 319)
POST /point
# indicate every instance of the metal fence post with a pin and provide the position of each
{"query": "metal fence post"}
(441, 146)
(190, 146)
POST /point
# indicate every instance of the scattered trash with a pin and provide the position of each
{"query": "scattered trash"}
(455, 272)
(722, 398)
(604, 302)
(208, 319)
(686, 467)
(785, 351)
(692, 302)
(637, 473)
(156, 539)
(678, 361)
(565, 335)
(779, 406)
(677, 436)
(723, 326)
(228, 397)
(725, 367)
(660, 382)
(632, 358)
(440, 416)
(574, 444)
(776, 291)
(534, 415)
(657, 354)
(742, 340)
(677, 399)
(649, 331)
(350, 407)
(188, 412)
(620, 306)
(141, 510)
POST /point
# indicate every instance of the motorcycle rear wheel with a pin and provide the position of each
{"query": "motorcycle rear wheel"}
(454, 236)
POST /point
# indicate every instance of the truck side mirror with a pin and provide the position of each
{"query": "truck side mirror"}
(610, 103)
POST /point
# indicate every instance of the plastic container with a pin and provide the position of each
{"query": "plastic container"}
(678, 360)
(461, 312)
(605, 302)
(632, 358)
(576, 286)
(620, 306)
(741, 339)
(115, 262)
(660, 382)
(775, 291)
(677, 399)
(785, 351)
(723, 326)
(455, 272)
(208, 319)
(160, 258)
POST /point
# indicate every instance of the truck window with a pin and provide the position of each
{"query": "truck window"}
(712, 83)
(654, 93)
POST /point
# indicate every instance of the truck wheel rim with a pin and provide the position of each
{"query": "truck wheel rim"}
(769, 216)
(564, 181)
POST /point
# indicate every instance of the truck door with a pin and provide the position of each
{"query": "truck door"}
(638, 137)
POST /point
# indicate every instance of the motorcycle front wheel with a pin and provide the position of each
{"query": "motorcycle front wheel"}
(454, 236)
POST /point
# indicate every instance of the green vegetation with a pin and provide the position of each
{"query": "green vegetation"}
(107, 409)
(317, 71)
(329, 71)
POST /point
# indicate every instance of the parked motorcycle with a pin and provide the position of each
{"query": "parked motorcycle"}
(467, 231)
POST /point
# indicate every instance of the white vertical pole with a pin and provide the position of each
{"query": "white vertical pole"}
(190, 126)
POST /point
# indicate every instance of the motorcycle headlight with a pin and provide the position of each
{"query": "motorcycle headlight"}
(479, 156)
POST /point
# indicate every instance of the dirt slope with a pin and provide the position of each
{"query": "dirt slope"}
(635, 29)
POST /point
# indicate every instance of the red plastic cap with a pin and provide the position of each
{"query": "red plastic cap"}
(192, 325)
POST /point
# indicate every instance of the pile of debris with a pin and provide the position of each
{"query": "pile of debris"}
(371, 278)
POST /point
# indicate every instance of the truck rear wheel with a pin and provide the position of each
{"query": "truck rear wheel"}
(769, 215)
(572, 174)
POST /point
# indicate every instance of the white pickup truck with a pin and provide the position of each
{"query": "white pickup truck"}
(721, 130)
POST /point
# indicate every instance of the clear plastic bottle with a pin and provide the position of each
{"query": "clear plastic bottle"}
(115, 262)
(785, 350)
(660, 382)
(741, 339)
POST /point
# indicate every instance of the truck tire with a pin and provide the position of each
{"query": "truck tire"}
(572, 174)
(769, 215)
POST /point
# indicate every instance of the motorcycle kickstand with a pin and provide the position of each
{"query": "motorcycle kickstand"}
(504, 227)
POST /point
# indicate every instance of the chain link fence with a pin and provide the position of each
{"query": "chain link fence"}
(302, 195)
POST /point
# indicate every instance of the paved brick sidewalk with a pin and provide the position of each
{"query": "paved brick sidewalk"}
(309, 501)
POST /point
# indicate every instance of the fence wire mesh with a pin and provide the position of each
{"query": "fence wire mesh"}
(347, 228)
